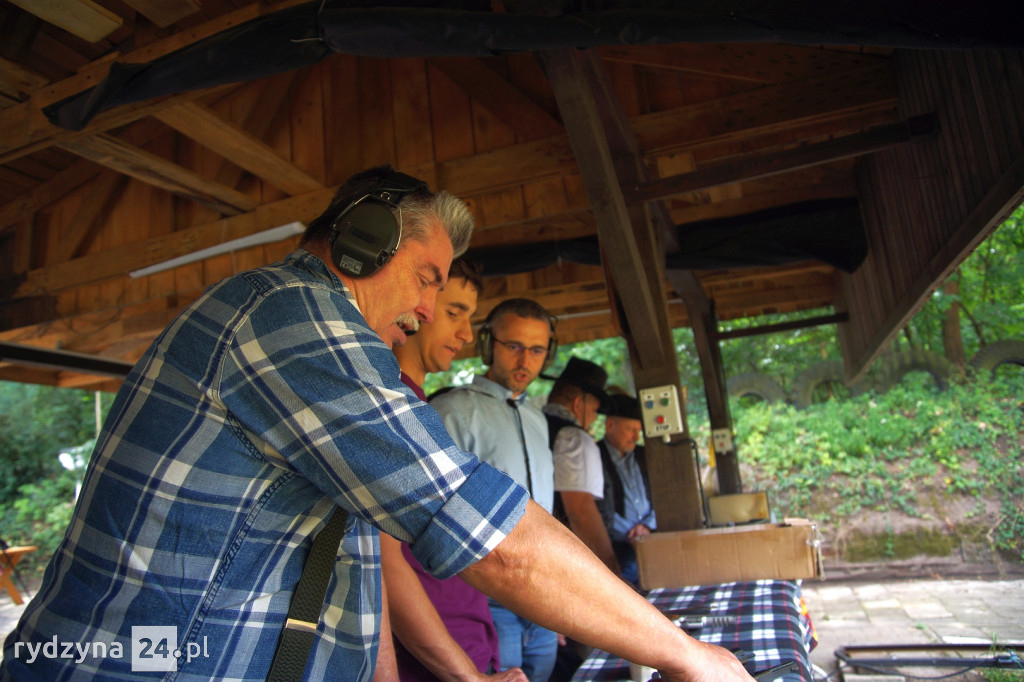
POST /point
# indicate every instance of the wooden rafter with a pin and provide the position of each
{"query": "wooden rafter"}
(238, 146)
(112, 152)
(163, 13)
(504, 100)
(83, 18)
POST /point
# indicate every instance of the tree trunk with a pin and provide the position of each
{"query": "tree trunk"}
(952, 339)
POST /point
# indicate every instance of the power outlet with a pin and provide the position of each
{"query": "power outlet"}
(659, 407)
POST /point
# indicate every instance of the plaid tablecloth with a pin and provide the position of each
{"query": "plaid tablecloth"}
(770, 622)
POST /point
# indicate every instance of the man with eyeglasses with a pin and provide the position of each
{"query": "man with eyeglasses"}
(491, 417)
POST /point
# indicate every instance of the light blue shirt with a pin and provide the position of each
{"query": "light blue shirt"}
(636, 504)
(480, 420)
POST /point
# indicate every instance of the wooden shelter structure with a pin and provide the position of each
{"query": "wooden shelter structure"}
(632, 166)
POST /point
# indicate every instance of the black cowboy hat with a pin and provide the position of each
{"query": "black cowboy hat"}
(625, 406)
(590, 377)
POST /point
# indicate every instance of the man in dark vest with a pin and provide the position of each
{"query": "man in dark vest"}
(575, 400)
(627, 508)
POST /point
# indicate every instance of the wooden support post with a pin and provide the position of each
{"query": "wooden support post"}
(605, 148)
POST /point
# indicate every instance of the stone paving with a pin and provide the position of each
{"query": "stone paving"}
(915, 612)
(875, 613)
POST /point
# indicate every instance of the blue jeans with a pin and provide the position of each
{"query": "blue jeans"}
(524, 644)
(626, 556)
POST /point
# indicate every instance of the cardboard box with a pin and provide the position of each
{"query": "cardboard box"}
(783, 551)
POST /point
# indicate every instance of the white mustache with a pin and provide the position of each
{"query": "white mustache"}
(408, 322)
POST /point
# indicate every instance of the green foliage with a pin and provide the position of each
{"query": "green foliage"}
(36, 492)
(878, 452)
(36, 422)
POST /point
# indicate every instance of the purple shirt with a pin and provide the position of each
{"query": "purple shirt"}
(462, 608)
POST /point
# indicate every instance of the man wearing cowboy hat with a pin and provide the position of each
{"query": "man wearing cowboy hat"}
(575, 400)
(627, 508)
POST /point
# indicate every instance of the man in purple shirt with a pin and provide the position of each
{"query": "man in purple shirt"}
(443, 628)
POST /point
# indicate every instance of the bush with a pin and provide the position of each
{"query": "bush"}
(876, 452)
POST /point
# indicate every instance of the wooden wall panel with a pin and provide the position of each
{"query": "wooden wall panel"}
(414, 144)
(341, 118)
(375, 137)
(307, 123)
(451, 117)
(928, 204)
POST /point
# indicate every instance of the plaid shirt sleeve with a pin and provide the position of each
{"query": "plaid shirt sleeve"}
(322, 394)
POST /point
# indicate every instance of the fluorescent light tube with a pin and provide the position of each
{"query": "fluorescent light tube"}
(275, 234)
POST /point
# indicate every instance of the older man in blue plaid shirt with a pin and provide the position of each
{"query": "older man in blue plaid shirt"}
(271, 400)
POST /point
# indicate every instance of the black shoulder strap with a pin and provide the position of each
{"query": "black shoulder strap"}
(299, 632)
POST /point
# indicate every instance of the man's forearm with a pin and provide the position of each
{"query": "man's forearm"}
(387, 665)
(543, 573)
(416, 623)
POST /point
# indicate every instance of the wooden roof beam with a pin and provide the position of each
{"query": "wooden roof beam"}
(117, 155)
(163, 13)
(83, 18)
(509, 104)
(236, 145)
(765, 163)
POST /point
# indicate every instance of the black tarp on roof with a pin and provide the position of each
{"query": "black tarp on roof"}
(302, 35)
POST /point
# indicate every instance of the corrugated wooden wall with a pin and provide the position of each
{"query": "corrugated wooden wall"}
(926, 205)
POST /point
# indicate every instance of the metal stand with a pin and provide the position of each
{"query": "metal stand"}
(887, 658)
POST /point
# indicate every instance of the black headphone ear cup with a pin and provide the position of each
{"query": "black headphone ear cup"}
(485, 345)
(552, 345)
(365, 236)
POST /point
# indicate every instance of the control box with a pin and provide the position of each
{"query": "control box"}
(722, 440)
(661, 412)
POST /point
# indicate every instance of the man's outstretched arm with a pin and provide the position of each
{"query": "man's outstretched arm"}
(545, 574)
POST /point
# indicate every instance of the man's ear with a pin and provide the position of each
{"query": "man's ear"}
(579, 404)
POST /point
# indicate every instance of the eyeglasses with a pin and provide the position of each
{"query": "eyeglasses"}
(517, 348)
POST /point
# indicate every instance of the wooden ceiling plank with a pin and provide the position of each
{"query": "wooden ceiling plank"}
(238, 146)
(256, 114)
(83, 228)
(746, 62)
(772, 162)
(508, 103)
(24, 128)
(46, 193)
(163, 13)
(115, 154)
(562, 226)
(117, 261)
(17, 82)
(664, 132)
(83, 18)
(789, 105)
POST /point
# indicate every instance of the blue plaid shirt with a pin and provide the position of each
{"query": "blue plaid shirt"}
(264, 405)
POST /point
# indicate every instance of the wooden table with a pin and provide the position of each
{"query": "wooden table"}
(8, 560)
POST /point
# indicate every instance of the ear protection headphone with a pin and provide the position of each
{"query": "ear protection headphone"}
(366, 235)
(485, 342)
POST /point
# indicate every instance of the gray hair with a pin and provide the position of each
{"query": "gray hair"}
(417, 212)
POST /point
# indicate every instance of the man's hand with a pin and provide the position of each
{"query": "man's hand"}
(711, 664)
(510, 675)
(637, 531)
